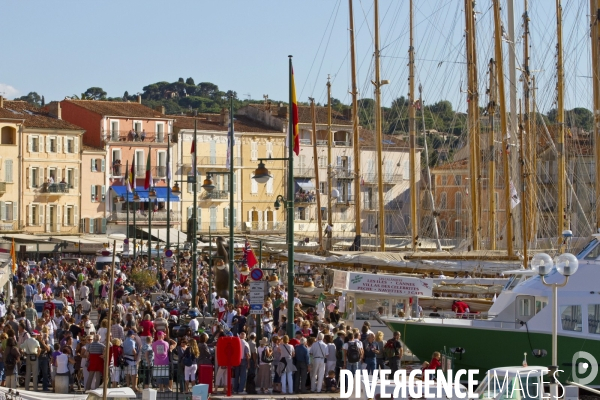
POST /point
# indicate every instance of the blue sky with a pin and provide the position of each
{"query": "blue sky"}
(60, 48)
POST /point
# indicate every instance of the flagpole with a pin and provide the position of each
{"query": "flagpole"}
(194, 216)
(168, 196)
(290, 208)
(127, 186)
(149, 183)
(231, 204)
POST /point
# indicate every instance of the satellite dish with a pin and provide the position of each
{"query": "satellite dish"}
(335, 194)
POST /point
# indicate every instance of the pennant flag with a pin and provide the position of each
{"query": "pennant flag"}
(13, 256)
(132, 176)
(193, 152)
(514, 196)
(294, 115)
(321, 298)
(249, 256)
(230, 139)
(127, 178)
(169, 165)
(148, 183)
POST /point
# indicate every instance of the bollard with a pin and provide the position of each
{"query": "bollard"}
(61, 384)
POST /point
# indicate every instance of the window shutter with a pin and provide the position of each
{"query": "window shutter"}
(349, 190)
(28, 177)
(226, 217)
(103, 193)
(75, 214)
(76, 175)
(15, 211)
(199, 217)
(350, 165)
(189, 212)
(2, 211)
(250, 216)
(234, 217)
(59, 144)
(190, 187)
(270, 186)
(260, 218)
(92, 225)
(58, 217)
(8, 171)
(254, 185)
(76, 146)
(93, 165)
(103, 165)
(30, 143)
(93, 193)
(58, 175)
(339, 161)
(41, 174)
(226, 183)
(41, 214)
(47, 139)
(29, 214)
(234, 182)
(65, 216)
(103, 225)
(66, 146)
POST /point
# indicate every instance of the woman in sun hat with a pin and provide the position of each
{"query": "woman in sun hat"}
(263, 380)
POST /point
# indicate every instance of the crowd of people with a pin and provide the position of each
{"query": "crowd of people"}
(148, 347)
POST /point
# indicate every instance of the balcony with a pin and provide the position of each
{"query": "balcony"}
(345, 199)
(215, 195)
(141, 217)
(9, 226)
(55, 189)
(343, 173)
(2, 188)
(270, 226)
(303, 172)
(159, 171)
(304, 198)
(371, 179)
(117, 171)
(132, 136)
(212, 162)
(342, 143)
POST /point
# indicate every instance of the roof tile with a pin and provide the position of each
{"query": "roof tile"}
(34, 117)
(118, 108)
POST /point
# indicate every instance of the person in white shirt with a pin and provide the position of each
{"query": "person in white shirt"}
(319, 352)
(193, 325)
(229, 315)
(297, 299)
(84, 292)
(221, 305)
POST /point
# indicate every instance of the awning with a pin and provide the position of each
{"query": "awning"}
(161, 193)
(304, 184)
(161, 234)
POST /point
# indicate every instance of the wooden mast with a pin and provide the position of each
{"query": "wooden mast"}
(355, 128)
(524, 196)
(531, 135)
(560, 121)
(473, 117)
(378, 131)
(492, 157)
(316, 166)
(595, 41)
(533, 122)
(503, 126)
(412, 134)
(329, 166)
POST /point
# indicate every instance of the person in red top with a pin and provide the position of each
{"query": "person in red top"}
(115, 352)
(296, 340)
(460, 307)
(49, 305)
(434, 364)
(147, 326)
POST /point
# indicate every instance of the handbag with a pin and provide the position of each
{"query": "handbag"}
(33, 357)
(264, 358)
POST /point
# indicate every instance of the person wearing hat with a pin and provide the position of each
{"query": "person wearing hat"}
(302, 358)
(31, 349)
(263, 379)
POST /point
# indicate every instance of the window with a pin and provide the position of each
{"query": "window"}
(458, 202)
(322, 162)
(8, 171)
(443, 201)
(69, 146)
(8, 135)
(97, 165)
(114, 131)
(324, 213)
(8, 211)
(140, 163)
(458, 180)
(36, 215)
(444, 180)
(162, 164)
(98, 193)
(34, 177)
(269, 152)
(457, 228)
(323, 187)
(253, 150)
(301, 213)
(137, 126)
(570, 318)
(34, 145)
(443, 225)
(160, 132)
(69, 216)
(51, 144)
(253, 185)
(594, 318)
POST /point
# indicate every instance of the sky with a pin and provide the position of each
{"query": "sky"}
(61, 48)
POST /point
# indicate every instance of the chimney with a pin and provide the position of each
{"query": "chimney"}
(348, 114)
(139, 98)
(282, 112)
(58, 110)
(160, 109)
(1, 102)
(54, 109)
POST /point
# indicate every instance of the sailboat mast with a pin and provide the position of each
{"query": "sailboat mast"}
(378, 131)
(534, 139)
(356, 141)
(412, 134)
(473, 117)
(524, 194)
(560, 121)
(329, 162)
(595, 40)
(316, 166)
(503, 126)
(531, 138)
(492, 157)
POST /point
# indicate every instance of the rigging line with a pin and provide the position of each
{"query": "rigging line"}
(326, 46)
(365, 17)
(426, 59)
(317, 53)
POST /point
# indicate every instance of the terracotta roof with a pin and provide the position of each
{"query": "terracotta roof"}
(367, 139)
(452, 165)
(118, 108)
(34, 117)
(305, 115)
(92, 148)
(212, 122)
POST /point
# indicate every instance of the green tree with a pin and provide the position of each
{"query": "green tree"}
(190, 81)
(32, 98)
(94, 93)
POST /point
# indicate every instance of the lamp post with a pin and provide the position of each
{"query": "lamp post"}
(151, 198)
(114, 237)
(566, 265)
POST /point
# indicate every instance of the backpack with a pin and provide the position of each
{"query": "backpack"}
(353, 354)
(188, 358)
(11, 360)
(389, 350)
(339, 351)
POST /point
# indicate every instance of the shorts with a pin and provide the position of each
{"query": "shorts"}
(130, 369)
(115, 374)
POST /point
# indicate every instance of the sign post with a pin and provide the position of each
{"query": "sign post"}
(257, 296)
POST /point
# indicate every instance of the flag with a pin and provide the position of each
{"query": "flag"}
(514, 196)
(294, 112)
(193, 152)
(132, 176)
(127, 178)
(169, 165)
(13, 256)
(230, 138)
(148, 183)
(249, 256)
(321, 298)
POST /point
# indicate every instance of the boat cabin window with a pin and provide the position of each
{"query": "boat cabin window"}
(367, 308)
(570, 318)
(539, 304)
(594, 318)
(526, 307)
(590, 252)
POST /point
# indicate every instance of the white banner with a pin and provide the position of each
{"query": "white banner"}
(390, 284)
(340, 280)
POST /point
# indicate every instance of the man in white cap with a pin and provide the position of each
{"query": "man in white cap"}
(31, 349)
(319, 353)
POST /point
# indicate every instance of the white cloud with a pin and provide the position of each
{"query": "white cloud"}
(8, 91)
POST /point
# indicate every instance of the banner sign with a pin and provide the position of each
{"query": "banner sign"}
(390, 284)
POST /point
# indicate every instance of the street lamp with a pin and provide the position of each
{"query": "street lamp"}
(114, 237)
(566, 265)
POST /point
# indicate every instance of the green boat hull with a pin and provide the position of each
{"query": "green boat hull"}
(492, 348)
